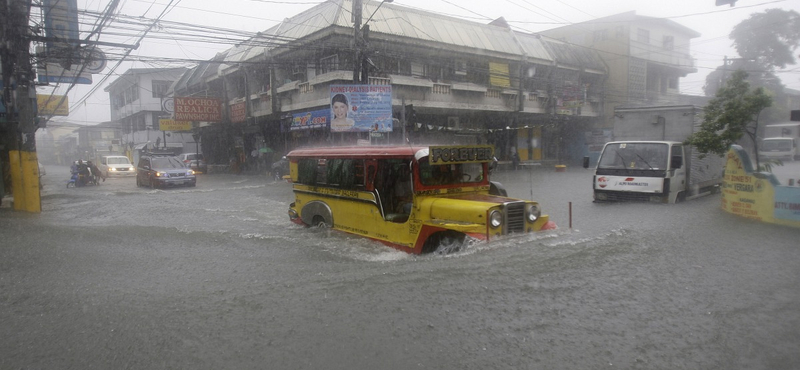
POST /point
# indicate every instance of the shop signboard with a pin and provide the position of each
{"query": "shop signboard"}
(310, 120)
(198, 109)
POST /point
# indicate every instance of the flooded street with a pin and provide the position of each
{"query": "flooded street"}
(216, 277)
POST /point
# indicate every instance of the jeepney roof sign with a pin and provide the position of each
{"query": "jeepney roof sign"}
(460, 154)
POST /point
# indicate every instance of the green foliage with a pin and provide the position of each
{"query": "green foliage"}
(770, 37)
(767, 165)
(730, 115)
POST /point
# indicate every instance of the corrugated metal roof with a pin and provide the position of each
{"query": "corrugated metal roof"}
(574, 56)
(415, 26)
(408, 23)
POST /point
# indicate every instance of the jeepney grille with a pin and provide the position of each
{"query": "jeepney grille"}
(515, 217)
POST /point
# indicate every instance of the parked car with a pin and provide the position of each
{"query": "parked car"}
(158, 171)
(116, 165)
(195, 161)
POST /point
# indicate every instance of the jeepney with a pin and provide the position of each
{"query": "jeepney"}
(413, 198)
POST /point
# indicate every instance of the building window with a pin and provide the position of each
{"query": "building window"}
(600, 35)
(669, 43)
(160, 88)
(643, 36)
(619, 32)
(329, 64)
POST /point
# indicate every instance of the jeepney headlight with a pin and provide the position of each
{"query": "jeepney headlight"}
(495, 219)
(533, 212)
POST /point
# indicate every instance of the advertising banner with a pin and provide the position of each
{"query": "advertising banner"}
(173, 125)
(310, 120)
(198, 109)
(361, 108)
(52, 105)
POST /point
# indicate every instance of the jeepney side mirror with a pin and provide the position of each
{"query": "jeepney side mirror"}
(677, 162)
(492, 164)
(586, 162)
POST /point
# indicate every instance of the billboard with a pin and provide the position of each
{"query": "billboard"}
(52, 105)
(361, 108)
(198, 109)
(310, 120)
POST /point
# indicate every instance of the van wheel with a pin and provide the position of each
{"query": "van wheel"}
(444, 243)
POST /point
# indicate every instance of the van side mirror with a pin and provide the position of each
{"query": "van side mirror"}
(677, 162)
(586, 162)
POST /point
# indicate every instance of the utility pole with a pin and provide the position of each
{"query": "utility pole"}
(18, 127)
(357, 9)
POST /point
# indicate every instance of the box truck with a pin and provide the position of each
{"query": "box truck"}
(652, 163)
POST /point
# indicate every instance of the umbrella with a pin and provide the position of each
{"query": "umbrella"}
(266, 149)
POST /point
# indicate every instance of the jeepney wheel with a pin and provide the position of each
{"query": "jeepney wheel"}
(319, 222)
(444, 243)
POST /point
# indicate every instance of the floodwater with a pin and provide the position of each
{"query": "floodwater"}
(216, 277)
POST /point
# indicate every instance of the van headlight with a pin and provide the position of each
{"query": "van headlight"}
(495, 219)
(533, 212)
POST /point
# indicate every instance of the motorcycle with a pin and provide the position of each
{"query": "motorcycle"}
(280, 169)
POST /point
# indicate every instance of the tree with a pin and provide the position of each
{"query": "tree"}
(764, 41)
(770, 37)
(733, 113)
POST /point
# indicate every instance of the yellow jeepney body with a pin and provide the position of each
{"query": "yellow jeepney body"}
(433, 209)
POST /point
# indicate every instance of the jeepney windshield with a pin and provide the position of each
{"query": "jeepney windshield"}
(641, 156)
(450, 174)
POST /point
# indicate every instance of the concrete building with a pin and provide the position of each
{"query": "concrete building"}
(452, 81)
(137, 103)
(645, 58)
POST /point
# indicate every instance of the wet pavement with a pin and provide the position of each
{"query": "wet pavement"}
(212, 277)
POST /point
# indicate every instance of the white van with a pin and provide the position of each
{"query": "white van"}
(116, 165)
(778, 148)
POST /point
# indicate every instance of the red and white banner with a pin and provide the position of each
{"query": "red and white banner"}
(198, 109)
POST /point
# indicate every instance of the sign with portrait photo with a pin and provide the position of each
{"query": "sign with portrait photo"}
(361, 108)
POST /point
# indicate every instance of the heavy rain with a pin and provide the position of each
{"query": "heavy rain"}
(399, 184)
(115, 276)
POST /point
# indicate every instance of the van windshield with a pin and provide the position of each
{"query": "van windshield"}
(643, 156)
(777, 145)
(450, 174)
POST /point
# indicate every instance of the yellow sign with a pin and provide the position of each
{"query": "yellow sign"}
(52, 105)
(173, 125)
(498, 75)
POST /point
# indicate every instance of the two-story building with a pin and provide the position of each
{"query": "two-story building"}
(138, 103)
(452, 81)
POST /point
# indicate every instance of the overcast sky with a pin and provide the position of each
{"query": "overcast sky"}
(714, 23)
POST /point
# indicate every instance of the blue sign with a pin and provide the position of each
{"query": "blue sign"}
(361, 108)
(310, 120)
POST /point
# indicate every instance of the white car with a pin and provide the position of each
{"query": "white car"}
(116, 165)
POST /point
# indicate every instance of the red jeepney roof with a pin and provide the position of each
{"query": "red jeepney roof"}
(375, 151)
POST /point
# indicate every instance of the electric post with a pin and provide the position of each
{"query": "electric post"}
(19, 98)
(356, 41)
